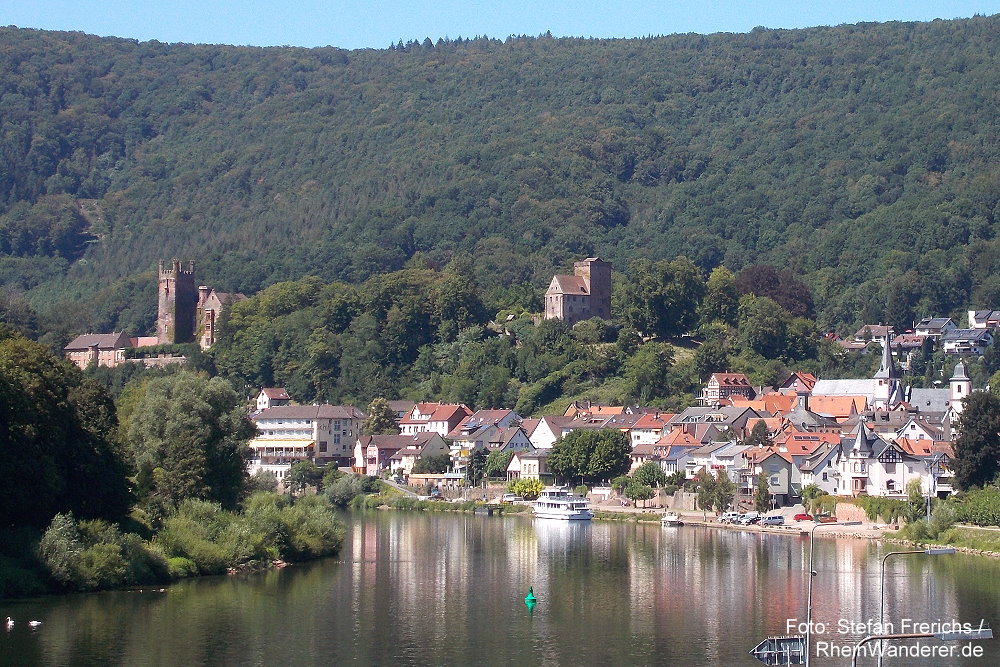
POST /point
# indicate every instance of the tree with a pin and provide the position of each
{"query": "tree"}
(783, 287)
(763, 326)
(762, 494)
(705, 488)
(636, 491)
(529, 489)
(434, 464)
(497, 462)
(663, 297)
(187, 436)
(58, 448)
(381, 419)
(589, 456)
(725, 491)
(477, 467)
(302, 474)
(759, 435)
(721, 297)
(647, 373)
(977, 447)
(651, 474)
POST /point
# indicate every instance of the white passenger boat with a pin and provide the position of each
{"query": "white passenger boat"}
(556, 502)
(671, 519)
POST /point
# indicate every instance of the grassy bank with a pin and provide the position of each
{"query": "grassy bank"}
(400, 502)
(198, 538)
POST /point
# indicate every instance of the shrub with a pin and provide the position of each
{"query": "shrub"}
(312, 529)
(344, 490)
(180, 567)
(529, 489)
(581, 490)
(60, 548)
(981, 507)
(888, 509)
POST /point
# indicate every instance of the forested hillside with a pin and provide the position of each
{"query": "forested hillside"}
(865, 159)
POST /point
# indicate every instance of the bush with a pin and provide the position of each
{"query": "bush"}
(980, 507)
(344, 490)
(180, 567)
(581, 490)
(529, 489)
(888, 509)
(95, 554)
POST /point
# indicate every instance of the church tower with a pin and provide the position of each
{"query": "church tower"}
(961, 386)
(177, 299)
(887, 391)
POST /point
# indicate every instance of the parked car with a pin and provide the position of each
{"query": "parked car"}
(802, 516)
(825, 518)
(511, 498)
(773, 520)
(729, 517)
(749, 518)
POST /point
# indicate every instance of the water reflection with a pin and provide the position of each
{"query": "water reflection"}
(417, 589)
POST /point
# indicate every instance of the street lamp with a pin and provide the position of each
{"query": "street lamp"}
(812, 573)
(940, 551)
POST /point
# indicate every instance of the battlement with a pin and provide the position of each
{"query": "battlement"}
(175, 269)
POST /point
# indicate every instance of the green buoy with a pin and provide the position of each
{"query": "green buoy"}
(530, 600)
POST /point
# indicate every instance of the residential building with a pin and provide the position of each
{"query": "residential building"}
(721, 386)
(319, 433)
(934, 327)
(529, 465)
(984, 319)
(967, 341)
(270, 397)
(440, 418)
(402, 461)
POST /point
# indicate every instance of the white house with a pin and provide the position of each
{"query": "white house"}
(291, 433)
(967, 341)
(272, 396)
(438, 418)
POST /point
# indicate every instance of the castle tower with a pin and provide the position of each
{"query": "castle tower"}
(961, 386)
(177, 300)
(597, 274)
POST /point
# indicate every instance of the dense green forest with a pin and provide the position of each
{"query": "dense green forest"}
(863, 159)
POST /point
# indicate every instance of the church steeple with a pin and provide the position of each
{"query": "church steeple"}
(887, 385)
(961, 386)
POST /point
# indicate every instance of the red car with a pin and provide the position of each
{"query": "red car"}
(803, 517)
(826, 518)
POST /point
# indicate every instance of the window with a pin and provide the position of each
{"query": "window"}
(322, 445)
(826, 477)
(774, 480)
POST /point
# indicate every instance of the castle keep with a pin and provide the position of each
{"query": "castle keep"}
(585, 294)
(186, 314)
(177, 303)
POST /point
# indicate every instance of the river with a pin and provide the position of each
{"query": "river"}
(448, 589)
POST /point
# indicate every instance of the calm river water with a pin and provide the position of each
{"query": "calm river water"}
(441, 589)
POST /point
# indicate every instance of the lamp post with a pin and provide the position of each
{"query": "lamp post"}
(812, 573)
(881, 601)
